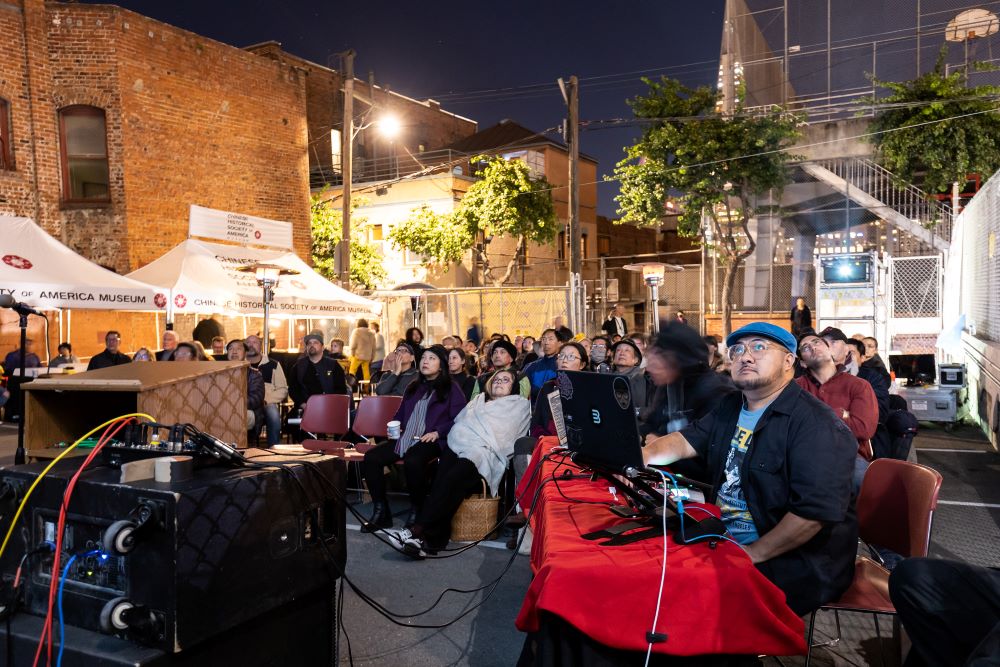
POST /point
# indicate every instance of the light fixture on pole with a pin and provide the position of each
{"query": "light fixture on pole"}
(267, 277)
(652, 275)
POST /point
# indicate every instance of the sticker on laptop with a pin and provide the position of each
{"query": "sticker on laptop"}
(623, 393)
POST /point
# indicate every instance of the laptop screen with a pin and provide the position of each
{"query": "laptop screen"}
(599, 419)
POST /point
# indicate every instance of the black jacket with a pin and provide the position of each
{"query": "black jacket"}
(328, 373)
(695, 395)
(106, 360)
(800, 460)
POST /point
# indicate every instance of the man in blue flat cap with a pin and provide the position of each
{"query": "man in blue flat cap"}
(781, 464)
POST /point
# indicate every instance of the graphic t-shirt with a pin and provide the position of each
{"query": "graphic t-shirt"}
(731, 498)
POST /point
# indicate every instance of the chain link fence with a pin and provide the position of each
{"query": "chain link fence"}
(765, 289)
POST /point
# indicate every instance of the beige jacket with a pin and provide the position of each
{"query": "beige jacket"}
(362, 344)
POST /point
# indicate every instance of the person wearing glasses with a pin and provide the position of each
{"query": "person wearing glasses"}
(781, 463)
(479, 443)
(111, 355)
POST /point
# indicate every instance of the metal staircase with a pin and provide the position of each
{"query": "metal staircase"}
(906, 207)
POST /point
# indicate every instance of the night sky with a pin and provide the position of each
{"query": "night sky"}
(451, 51)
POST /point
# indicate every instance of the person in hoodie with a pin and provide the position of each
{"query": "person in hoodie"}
(627, 361)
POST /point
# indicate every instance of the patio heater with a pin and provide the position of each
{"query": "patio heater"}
(652, 275)
(267, 277)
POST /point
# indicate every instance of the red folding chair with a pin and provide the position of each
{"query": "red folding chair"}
(326, 415)
(895, 510)
(374, 412)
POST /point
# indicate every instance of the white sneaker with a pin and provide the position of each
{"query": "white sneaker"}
(526, 540)
(399, 535)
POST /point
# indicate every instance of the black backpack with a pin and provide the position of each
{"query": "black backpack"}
(902, 426)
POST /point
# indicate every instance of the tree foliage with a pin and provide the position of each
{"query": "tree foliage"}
(506, 201)
(916, 138)
(327, 223)
(724, 167)
(438, 237)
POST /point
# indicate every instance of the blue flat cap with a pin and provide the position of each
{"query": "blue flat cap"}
(765, 330)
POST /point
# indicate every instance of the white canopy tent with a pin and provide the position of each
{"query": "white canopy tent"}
(202, 277)
(43, 273)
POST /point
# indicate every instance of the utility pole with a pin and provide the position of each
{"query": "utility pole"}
(571, 95)
(347, 168)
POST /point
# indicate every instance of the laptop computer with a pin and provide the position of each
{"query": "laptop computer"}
(600, 420)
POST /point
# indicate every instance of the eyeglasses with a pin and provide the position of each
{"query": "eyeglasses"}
(567, 357)
(756, 348)
(809, 347)
(502, 379)
(403, 350)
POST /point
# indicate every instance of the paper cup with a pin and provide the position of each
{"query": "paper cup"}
(393, 429)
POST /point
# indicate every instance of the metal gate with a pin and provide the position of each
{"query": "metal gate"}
(915, 299)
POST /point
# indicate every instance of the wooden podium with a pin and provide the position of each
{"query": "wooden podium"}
(211, 395)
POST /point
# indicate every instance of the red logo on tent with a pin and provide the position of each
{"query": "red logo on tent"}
(256, 234)
(180, 301)
(299, 284)
(160, 300)
(17, 262)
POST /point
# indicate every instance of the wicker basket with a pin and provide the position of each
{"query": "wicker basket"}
(476, 517)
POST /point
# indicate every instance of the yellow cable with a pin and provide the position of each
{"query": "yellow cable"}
(24, 502)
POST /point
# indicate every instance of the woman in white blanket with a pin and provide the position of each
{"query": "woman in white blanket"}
(479, 445)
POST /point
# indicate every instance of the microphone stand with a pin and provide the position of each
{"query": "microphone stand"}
(20, 457)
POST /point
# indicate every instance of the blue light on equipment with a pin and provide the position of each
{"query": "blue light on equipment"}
(845, 270)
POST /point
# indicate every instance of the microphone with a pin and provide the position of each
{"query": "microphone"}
(7, 301)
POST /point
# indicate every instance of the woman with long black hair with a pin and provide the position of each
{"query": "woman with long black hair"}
(426, 414)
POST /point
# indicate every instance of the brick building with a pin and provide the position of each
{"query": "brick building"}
(115, 123)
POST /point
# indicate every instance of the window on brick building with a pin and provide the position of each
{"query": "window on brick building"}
(83, 139)
(6, 151)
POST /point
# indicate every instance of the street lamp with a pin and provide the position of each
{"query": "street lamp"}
(267, 277)
(652, 275)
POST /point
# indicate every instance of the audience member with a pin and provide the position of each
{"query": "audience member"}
(315, 373)
(627, 361)
(236, 350)
(143, 354)
(185, 351)
(379, 348)
(169, 342)
(471, 357)
(426, 414)
(398, 371)
(474, 334)
(13, 359)
(501, 359)
(640, 341)
(716, 361)
(219, 350)
(950, 610)
(543, 369)
(880, 382)
(615, 324)
(800, 318)
(208, 329)
(275, 388)
(873, 359)
(456, 368)
(336, 350)
(680, 317)
(415, 337)
(449, 342)
(526, 352)
(479, 443)
(851, 398)
(64, 357)
(600, 360)
(362, 344)
(110, 356)
(780, 462)
(687, 389)
(200, 354)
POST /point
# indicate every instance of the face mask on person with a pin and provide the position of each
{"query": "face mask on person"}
(598, 354)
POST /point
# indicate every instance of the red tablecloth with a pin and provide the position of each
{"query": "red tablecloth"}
(714, 600)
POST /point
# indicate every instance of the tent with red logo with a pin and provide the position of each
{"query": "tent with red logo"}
(203, 277)
(38, 270)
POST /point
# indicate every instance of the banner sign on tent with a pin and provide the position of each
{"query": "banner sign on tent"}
(238, 228)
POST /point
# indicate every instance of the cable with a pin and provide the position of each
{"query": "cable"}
(31, 489)
(62, 584)
(46, 637)
(653, 635)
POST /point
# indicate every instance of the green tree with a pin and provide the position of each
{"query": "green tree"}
(506, 201)
(916, 138)
(327, 229)
(724, 167)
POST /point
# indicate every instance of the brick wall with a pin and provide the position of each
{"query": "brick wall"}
(189, 120)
